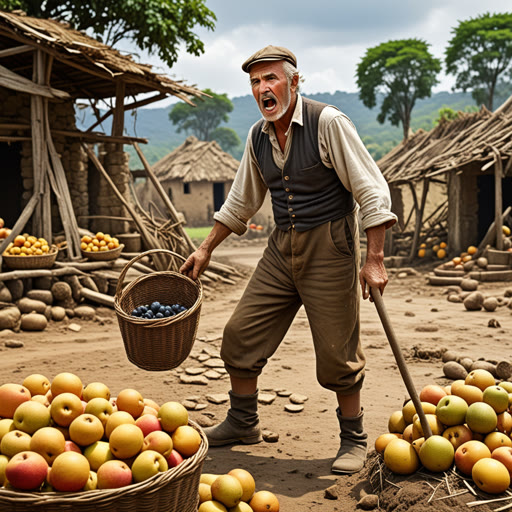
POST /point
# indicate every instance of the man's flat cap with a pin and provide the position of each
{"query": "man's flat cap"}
(270, 53)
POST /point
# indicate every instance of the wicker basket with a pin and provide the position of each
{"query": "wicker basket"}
(164, 343)
(103, 255)
(175, 490)
(33, 261)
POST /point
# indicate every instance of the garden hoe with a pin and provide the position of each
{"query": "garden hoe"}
(399, 357)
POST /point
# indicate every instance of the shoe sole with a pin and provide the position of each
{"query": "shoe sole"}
(242, 440)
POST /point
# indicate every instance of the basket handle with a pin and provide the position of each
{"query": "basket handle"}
(120, 281)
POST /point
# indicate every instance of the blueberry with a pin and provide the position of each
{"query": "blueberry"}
(149, 314)
(135, 312)
(142, 309)
(167, 313)
(159, 315)
(162, 309)
(155, 307)
(183, 308)
(176, 307)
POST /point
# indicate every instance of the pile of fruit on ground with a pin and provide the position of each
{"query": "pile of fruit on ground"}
(471, 425)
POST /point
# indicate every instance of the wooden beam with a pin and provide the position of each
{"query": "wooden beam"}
(16, 50)
(16, 82)
(100, 137)
(419, 219)
(498, 202)
(118, 119)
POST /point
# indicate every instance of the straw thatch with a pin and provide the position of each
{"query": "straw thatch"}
(479, 137)
(83, 67)
(197, 160)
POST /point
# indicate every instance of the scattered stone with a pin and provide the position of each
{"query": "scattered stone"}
(493, 323)
(467, 362)
(194, 398)
(33, 322)
(455, 298)
(203, 357)
(222, 371)
(293, 408)
(266, 398)
(16, 288)
(74, 327)
(58, 313)
(330, 493)
(434, 310)
(490, 304)
(270, 437)
(214, 363)
(200, 380)
(5, 293)
(409, 313)
(6, 332)
(42, 295)
(189, 405)
(61, 290)
(14, 344)
(504, 370)
(469, 285)
(205, 421)
(508, 292)
(408, 300)
(212, 374)
(212, 352)
(283, 392)
(402, 275)
(295, 398)
(70, 313)
(220, 398)
(200, 407)
(86, 312)
(194, 371)
(26, 305)
(368, 502)
(426, 328)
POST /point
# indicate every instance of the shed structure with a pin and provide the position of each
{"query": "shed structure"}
(49, 168)
(472, 156)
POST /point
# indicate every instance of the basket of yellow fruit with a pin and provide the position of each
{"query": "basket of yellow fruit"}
(100, 247)
(28, 252)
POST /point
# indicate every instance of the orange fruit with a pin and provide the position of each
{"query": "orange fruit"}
(264, 501)
(441, 253)
(100, 235)
(19, 241)
(131, 401)
(186, 440)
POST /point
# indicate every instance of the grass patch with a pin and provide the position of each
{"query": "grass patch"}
(198, 234)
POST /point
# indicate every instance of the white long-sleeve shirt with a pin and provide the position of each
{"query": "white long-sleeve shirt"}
(340, 147)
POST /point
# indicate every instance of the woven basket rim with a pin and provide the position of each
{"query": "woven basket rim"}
(103, 255)
(154, 483)
(158, 322)
(34, 257)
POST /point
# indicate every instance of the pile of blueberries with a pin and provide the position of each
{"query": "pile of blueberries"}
(157, 310)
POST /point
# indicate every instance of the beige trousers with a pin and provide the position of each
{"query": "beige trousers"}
(319, 269)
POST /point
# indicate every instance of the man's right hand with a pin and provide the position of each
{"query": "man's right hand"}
(196, 263)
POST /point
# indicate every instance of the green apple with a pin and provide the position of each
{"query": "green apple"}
(437, 453)
(6, 425)
(497, 398)
(101, 408)
(15, 442)
(92, 483)
(506, 385)
(96, 390)
(451, 410)
(172, 415)
(3, 463)
(31, 416)
(147, 464)
(481, 418)
(65, 407)
(97, 454)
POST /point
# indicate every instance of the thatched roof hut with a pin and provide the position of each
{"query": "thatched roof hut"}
(473, 153)
(44, 67)
(197, 177)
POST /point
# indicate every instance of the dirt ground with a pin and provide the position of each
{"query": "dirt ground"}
(296, 467)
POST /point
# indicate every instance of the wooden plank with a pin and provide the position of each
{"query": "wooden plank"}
(16, 50)
(498, 200)
(100, 298)
(118, 119)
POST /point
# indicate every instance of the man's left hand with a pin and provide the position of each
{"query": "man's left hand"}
(373, 275)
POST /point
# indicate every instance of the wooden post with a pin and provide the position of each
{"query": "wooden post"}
(419, 219)
(498, 202)
(118, 120)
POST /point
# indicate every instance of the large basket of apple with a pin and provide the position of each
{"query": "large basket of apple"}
(158, 315)
(127, 454)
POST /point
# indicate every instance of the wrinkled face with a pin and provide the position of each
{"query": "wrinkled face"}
(271, 89)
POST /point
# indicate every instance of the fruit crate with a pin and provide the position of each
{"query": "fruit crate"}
(174, 490)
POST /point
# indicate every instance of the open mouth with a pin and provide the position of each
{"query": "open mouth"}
(269, 103)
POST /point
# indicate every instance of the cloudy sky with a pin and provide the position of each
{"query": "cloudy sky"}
(329, 37)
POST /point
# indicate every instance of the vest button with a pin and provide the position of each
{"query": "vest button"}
(293, 226)
(290, 197)
(287, 178)
(290, 209)
(287, 189)
(293, 215)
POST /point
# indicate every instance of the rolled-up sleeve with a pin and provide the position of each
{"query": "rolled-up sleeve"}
(343, 149)
(246, 194)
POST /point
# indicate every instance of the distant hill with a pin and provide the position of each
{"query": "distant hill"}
(154, 123)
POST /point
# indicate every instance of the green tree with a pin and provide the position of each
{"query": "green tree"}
(403, 71)
(478, 53)
(204, 119)
(158, 26)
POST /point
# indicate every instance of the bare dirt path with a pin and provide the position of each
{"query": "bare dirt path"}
(297, 466)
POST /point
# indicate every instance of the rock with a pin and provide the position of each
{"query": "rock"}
(74, 327)
(205, 421)
(194, 371)
(270, 437)
(220, 398)
(14, 344)
(33, 322)
(401, 275)
(189, 405)
(5, 293)
(295, 398)
(331, 493)
(266, 398)
(200, 380)
(10, 318)
(293, 408)
(203, 358)
(482, 262)
(212, 352)
(409, 313)
(200, 407)
(504, 370)
(450, 355)
(85, 312)
(454, 297)
(42, 295)
(26, 305)
(61, 291)
(58, 314)
(70, 313)
(43, 283)
(426, 328)
(16, 288)
(214, 363)
(212, 374)
(474, 301)
(368, 502)
(493, 323)
(490, 304)
(467, 362)
(469, 285)
(283, 392)
(508, 292)
(4, 333)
